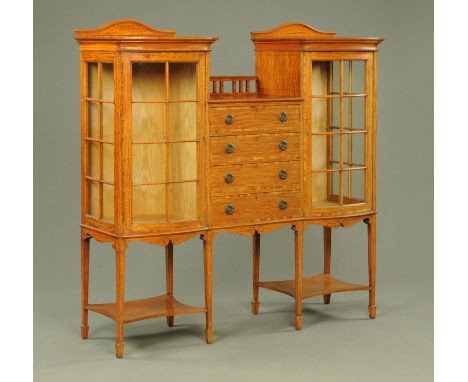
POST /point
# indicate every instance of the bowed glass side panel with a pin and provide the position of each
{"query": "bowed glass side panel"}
(339, 133)
(99, 146)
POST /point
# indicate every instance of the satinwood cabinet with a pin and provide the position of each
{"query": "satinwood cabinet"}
(170, 153)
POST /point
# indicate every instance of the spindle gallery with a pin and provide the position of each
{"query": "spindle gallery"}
(170, 153)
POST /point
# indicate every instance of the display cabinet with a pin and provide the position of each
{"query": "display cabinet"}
(337, 79)
(144, 95)
(170, 153)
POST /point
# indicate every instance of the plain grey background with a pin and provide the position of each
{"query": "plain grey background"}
(338, 342)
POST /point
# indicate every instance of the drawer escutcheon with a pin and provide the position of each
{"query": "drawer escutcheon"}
(229, 148)
(229, 178)
(229, 119)
(229, 209)
(283, 205)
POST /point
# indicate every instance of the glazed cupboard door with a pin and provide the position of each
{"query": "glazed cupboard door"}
(166, 96)
(339, 93)
(98, 100)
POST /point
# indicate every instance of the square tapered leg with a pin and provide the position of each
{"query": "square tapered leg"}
(256, 271)
(371, 243)
(84, 286)
(119, 247)
(298, 260)
(170, 276)
(208, 267)
(326, 257)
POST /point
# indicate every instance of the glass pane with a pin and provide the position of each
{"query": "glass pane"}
(336, 76)
(107, 78)
(358, 76)
(346, 190)
(335, 112)
(335, 186)
(336, 146)
(108, 202)
(320, 114)
(357, 186)
(183, 161)
(149, 204)
(320, 72)
(353, 77)
(108, 162)
(92, 91)
(319, 186)
(93, 120)
(148, 81)
(183, 202)
(149, 163)
(320, 152)
(183, 121)
(149, 122)
(347, 76)
(182, 81)
(108, 122)
(346, 115)
(93, 198)
(93, 160)
(355, 149)
(323, 188)
(358, 119)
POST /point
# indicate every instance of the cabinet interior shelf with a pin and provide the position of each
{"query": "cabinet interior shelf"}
(313, 286)
(152, 307)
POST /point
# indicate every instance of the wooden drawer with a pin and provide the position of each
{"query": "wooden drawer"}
(256, 119)
(255, 207)
(254, 148)
(254, 177)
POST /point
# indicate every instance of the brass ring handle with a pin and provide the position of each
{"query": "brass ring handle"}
(229, 119)
(283, 116)
(283, 205)
(283, 174)
(229, 209)
(229, 178)
(283, 145)
(229, 148)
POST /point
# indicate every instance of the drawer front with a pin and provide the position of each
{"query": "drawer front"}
(254, 148)
(255, 207)
(255, 119)
(254, 177)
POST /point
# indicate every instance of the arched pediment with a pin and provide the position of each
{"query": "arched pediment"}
(293, 30)
(121, 29)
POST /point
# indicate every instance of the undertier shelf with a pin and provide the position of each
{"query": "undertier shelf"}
(313, 286)
(152, 307)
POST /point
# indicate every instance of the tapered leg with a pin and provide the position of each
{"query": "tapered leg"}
(256, 271)
(120, 246)
(326, 257)
(371, 238)
(170, 276)
(298, 256)
(208, 266)
(84, 286)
